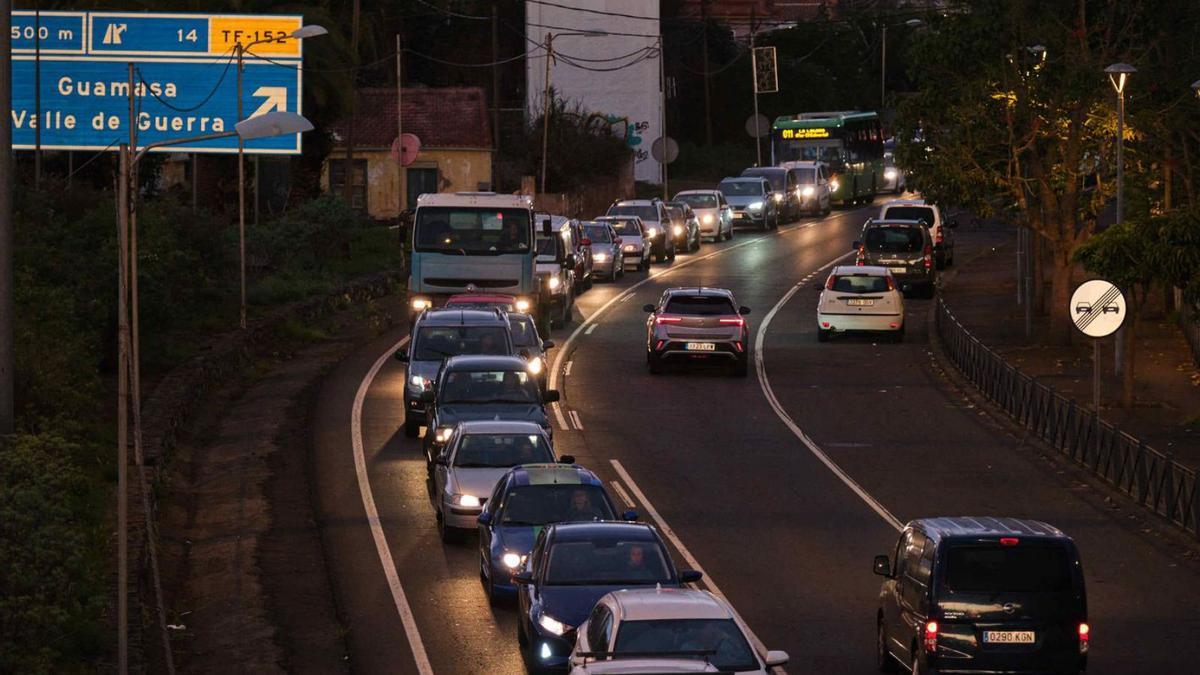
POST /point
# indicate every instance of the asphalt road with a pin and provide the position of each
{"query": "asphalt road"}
(780, 486)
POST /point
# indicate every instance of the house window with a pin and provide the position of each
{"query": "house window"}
(421, 181)
(337, 181)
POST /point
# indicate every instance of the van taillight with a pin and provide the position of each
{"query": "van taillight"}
(928, 257)
(931, 634)
(862, 255)
(941, 237)
(1085, 634)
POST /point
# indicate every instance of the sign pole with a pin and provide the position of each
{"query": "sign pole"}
(6, 224)
(754, 73)
(238, 49)
(662, 86)
(401, 172)
(122, 417)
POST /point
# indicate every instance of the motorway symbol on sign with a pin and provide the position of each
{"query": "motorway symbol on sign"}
(1097, 308)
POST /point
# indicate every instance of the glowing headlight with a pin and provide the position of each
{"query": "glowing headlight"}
(443, 434)
(834, 185)
(707, 219)
(421, 304)
(756, 206)
(678, 230)
(808, 191)
(630, 248)
(889, 174)
(534, 366)
(600, 257)
(778, 197)
(652, 233)
(511, 560)
(522, 305)
(553, 625)
(418, 381)
(553, 282)
(469, 501)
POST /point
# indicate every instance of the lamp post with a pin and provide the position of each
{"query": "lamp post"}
(1118, 73)
(911, 23)
(277, 123)
(239, 50)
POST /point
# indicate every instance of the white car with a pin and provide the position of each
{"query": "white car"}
(860, 298)
(666, 630)
(813, 189)
(939, 229)
(475, 457)
(711, 209)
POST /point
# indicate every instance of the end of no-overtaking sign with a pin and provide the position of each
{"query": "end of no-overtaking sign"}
(1097, 308)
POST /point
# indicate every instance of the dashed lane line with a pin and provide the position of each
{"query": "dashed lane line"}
(623, 493)
(590, 329)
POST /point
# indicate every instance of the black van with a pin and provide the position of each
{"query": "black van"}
(996, 595)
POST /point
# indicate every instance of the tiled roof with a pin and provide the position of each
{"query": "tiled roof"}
(444, 117)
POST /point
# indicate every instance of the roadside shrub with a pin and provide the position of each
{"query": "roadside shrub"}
(307, 238)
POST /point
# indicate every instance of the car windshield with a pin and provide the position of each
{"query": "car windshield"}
(741, 188)
(860, 283)
(698, 201)
(699, 305)
(911, 213)
(644, 212)
(628, 227)
(435, 343)
(542, 504)
(488, 386)
(722, 637)
(893, 239)
(598, 234)
(805, 176)
(472, 231)
(774, 176)
(1007, 569)
(550, 248)
(524, 334)
(607, 562)
(497, 451)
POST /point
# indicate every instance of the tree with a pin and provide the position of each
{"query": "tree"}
(1013, 115)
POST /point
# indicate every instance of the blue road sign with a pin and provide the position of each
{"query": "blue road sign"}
(185, 80)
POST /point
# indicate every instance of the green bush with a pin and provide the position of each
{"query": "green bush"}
(308, 238)
(51, 563)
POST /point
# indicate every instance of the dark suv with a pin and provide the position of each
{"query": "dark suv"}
(439, 334)
(991, 595)
(905, 248)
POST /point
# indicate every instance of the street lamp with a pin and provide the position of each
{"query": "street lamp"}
(276, 123)
(311, 30)
(911, 23)
(1118, 73)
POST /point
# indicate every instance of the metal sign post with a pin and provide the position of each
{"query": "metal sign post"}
(1098, 309)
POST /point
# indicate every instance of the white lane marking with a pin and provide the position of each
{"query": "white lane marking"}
(624, 494)
(683, 550)
(622, 299)
(574, 414)
(567, 370)
(559, 417)
(381, 545)
(765, 384)
(590, 329)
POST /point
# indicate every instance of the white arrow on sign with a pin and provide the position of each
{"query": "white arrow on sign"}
(276, 100)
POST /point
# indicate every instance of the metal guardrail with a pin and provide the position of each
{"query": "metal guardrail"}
(1149, 477)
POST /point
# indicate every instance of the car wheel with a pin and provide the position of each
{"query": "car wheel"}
(654, 363)
(823, 335)
(412, 428)
(883, 658)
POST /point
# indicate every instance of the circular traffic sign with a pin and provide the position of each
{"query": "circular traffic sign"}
(406, 154)
(1097, 308)
(758, 125)
(666, 152)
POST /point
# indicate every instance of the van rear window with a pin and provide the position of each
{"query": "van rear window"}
(1007, 569)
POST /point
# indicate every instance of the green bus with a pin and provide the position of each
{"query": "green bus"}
(849, 142)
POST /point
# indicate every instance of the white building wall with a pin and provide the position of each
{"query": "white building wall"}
(630, 95)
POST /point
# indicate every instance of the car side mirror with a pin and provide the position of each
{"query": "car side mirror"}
(883, 566)
(630, 514)
(547, 344)
(401, 355)
(690, 576)
(953, 223)
(484, 518)
(523, 578)
(776, 658)
(856, 245)
(743, 310)
(648, 308)
(551, 396)
(546, 227)
(566, 459)
(427, 396)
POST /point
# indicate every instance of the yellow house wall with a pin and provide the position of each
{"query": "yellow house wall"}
(458, 170)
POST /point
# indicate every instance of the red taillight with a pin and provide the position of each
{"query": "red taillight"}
(667, 319)
(940, 236)
(829, 282)
(928, 258)
(1085, 633)
(737, 345)
(931, 634)
(1009, 541)
(824, 324)
(891, 283)
(660, 344)
(862, 255)
(736, 321)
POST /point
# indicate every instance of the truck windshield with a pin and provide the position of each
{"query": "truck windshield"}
(471, 230)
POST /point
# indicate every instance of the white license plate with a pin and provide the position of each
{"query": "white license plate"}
(898, 270)
(858, 302)
(700, 346)
(740, 216)
(1009, 637)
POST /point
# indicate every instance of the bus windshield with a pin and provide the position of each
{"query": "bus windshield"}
(797, 151)
(465, 230)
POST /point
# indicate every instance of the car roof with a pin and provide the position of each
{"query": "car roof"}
(802, 164)
(557, 223)
(499, 427)
(697, 192)
(985, 527)
(475, 199)
(467, 362)
(893, 222)
(636, 202)
(908, 202)
(742, 179)
(618, 217)
(862, 270)
(700, 290)
(587, 530)
(553, 474)
(646, 604)
(747, 170)
(451, 316)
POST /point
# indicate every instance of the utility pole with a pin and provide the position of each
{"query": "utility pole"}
(401, 189)
(6, 224)
(122, 416)
(348, 174)
(882, 67)
(495, 88)
(546, 108)
(662, 86)
(754, 85)
(707, 84)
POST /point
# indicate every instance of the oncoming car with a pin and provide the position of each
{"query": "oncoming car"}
(857, 298)
(635, 245)
(530, 346)
(697, 323)
(713, 212)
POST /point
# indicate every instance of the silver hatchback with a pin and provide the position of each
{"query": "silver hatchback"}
(697, 324)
